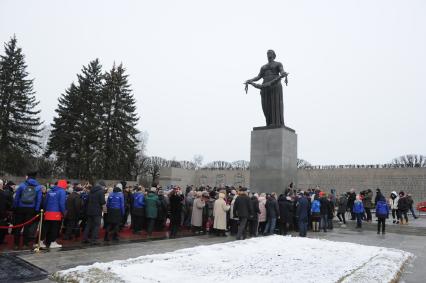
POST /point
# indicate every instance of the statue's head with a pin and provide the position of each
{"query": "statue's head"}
(271, 55)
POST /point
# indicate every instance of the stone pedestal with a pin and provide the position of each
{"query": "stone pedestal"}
(273, 159)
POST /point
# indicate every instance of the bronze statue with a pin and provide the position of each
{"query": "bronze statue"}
(271, 91)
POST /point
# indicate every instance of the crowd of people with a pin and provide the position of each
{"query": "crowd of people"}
(78, 211)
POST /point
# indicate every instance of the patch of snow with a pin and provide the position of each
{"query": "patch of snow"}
(266, 259)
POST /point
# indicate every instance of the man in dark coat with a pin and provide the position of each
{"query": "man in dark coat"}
(351, 201)
(162, 211)
(302, 212)
(176, 198)
(286, 213)
(72, 216)
(254, 220)
(6, 201)
(243, 209)
(95, 201)
(272, 214)
(403, 207)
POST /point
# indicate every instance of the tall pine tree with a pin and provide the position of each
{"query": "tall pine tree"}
(20, 123)
(64, 138)
(94, 133)
(119, 136)
(90, 93)
(76, 131)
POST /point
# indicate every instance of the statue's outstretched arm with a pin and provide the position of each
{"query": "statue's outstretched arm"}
(258, 77)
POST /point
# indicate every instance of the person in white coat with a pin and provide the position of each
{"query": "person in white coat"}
(233, 220)
(262, 215)
(393, 203)
(197, 213)
(219, 212)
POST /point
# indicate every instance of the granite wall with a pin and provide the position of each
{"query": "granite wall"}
(411, 180)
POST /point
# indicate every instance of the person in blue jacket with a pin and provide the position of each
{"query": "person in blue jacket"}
(26, 205)
(54, 212)
(358, 209)
(382, 212)
(138, 211)
(115, 212)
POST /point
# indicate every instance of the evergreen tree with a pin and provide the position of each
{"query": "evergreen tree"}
(20, 123)
(119, 138)
(65, 139)
(94, 134)
(76, 129)
(90, 94)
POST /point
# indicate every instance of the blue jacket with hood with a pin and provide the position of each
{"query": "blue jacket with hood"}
(55, 203)
(116, 201)
(37, 202)
(138, 200)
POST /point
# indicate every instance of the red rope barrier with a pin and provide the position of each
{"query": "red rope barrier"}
(21, 225)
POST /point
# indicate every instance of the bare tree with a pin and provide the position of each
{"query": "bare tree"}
(301, 163)
(218, 165)
(141, 167)
(409, 161)
(198, 160)
(174, 164)
(189, 165)
(155, 164)
(241, 165)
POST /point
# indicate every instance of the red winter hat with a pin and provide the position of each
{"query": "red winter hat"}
(62, 184)
(322, 194)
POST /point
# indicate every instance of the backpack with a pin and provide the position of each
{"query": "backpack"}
(28, 195)
(316, 206)
(382, 209)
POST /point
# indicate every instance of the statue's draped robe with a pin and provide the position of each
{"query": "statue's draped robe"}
(272, 96)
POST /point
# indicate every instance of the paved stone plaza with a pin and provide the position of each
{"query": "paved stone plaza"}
(408, 238)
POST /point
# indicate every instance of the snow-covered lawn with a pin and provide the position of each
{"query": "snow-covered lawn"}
(267, 259)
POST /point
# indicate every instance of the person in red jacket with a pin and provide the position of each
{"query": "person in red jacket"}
(54, 211)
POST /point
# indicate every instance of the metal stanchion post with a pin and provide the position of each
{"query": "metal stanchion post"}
(40, 225)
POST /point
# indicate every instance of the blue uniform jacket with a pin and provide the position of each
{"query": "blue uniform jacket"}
(358, 207)
(17, 201)
(55, 203)
(138, 200)
(116, 201)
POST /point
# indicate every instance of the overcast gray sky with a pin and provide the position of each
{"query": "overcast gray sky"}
(356, 90)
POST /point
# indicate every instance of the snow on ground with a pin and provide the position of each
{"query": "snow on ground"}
(266, 259)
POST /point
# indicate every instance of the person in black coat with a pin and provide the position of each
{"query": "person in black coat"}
(286, 213)
(162, 211)
(330, 214)
(403, 207)
(254, 220)
(351, 201)
(95, 201)
(243, 209)
(176, 204)
(72, 217)
(6, 201)
(272, 214)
